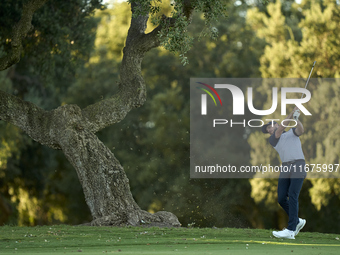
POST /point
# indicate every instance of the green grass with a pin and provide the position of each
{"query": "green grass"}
(63, 239)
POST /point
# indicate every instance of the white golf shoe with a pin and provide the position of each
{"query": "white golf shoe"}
(300, 225)
(289, 234)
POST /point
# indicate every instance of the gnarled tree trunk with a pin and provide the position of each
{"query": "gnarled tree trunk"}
(72, 130)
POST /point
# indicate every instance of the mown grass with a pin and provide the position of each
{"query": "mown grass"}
(64, 239)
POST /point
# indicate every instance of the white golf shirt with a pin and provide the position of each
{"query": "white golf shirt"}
(288, 145)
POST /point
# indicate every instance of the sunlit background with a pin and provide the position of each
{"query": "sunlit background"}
(280, 39)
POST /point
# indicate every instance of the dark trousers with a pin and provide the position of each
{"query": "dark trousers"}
(288, 190)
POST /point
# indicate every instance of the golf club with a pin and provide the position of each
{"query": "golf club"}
(297, 112)
(309, 77)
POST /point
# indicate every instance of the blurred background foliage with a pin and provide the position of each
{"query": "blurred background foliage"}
(277, 39)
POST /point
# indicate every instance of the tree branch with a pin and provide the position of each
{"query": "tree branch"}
(19, 31)
(132, 88)
(151, 40)
(28, 117)
(138, 24)
(106, 112)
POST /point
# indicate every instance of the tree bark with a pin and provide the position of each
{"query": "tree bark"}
(105, 184)
(72, 130)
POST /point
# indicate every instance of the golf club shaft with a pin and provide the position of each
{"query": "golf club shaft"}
(309, 77)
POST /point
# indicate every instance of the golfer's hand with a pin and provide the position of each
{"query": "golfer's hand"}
(296, 114)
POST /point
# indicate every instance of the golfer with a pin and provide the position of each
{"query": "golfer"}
(292, 174)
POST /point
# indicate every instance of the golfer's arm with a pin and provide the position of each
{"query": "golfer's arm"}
(299, 128)
(281, 128)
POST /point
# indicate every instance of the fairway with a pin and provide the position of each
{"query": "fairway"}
(63, 239)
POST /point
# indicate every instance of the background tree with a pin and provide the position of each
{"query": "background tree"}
(50, 55)
(72, 130)
(154, 142)
(133, 140)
